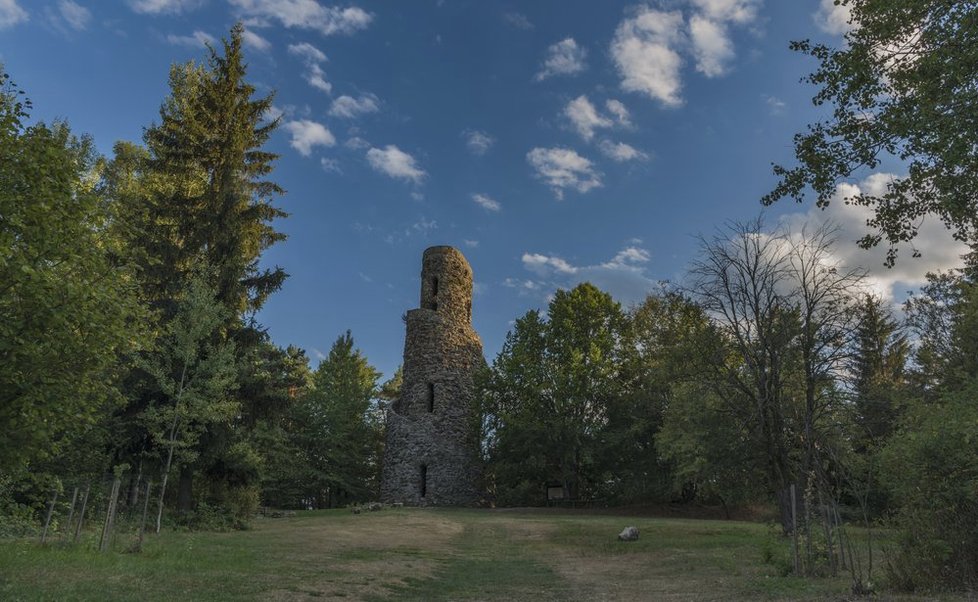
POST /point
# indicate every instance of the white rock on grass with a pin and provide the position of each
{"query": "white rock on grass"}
(628, 534)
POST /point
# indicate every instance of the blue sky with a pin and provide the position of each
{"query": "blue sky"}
(552, 142)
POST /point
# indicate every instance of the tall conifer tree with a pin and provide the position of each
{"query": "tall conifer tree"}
(198, 200)
(206, 183)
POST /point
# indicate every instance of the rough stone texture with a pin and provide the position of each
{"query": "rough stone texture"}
(431, 453)
(628, 534)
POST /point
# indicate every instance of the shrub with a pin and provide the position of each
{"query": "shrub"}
(931, 468)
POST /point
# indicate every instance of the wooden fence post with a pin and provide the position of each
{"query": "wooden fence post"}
(71, 514)
(110, 516)
(47, 521)
(794, 528)
(142, 522)
(81, 513)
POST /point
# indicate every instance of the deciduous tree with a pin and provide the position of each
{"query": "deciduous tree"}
(901, 89)
(67, 312)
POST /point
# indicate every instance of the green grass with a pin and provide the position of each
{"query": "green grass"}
(413, 554)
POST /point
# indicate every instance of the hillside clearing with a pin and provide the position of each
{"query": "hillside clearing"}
(426, 554)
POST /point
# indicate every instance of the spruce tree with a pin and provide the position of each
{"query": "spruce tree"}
(878, 367)
(198, 198)
(206, 188)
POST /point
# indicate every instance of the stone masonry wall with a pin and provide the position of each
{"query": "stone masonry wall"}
(430, 456)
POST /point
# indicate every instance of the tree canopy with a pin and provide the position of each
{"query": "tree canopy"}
(903, 88)
(67, 312)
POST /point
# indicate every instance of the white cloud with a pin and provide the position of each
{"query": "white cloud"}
(253, 40)
(833, 18)
(563, 58)
(735, 11)
(308, 52)
(11, 14)
(471, 243)
(937, 247)
(774, 103)
(350, 108)
(563, 168)
(618, 109)
(524, 285)
(197, 39)
(478, 142)
(650, 44)
(308, 134)
(316, 78)
(543, 265)
(423, 226)
(486, 202)
(330, 165)
(712, 47)
(585, 118)
(158, 7)
(644, 50)
(312, 56)
(356, 143)
(307, 14)
(395, 163)
(518, 20)
(621, 152)
(625, 275)
(74, 15)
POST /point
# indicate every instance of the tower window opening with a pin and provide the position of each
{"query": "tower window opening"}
(423, 481)
(431, 397)
(433, 299)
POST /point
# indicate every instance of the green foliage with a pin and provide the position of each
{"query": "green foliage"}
(199, 194)
(878, 363)
(19, 512)
(195, 374)
(710, 451)
(931, 469)
(930, 464)
(66, 311)
(931, 315)
(902, 87)
(204, 187)
(668, 340)
(546, 399)
(270, 379)
(335, 434)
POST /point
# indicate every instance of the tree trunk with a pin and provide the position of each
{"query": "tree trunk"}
(185, 490)
(785, 510)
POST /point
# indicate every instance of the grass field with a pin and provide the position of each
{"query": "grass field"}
(426, 554)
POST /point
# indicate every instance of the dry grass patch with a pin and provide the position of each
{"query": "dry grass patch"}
(358, 557)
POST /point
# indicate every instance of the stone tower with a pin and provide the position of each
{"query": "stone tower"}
(431, 452)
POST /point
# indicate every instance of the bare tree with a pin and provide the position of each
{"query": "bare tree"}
(825, 293)
(743, 280)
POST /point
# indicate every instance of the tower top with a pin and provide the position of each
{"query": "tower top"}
(446, 284)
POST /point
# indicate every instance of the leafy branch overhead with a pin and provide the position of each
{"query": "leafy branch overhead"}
(902, 90)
